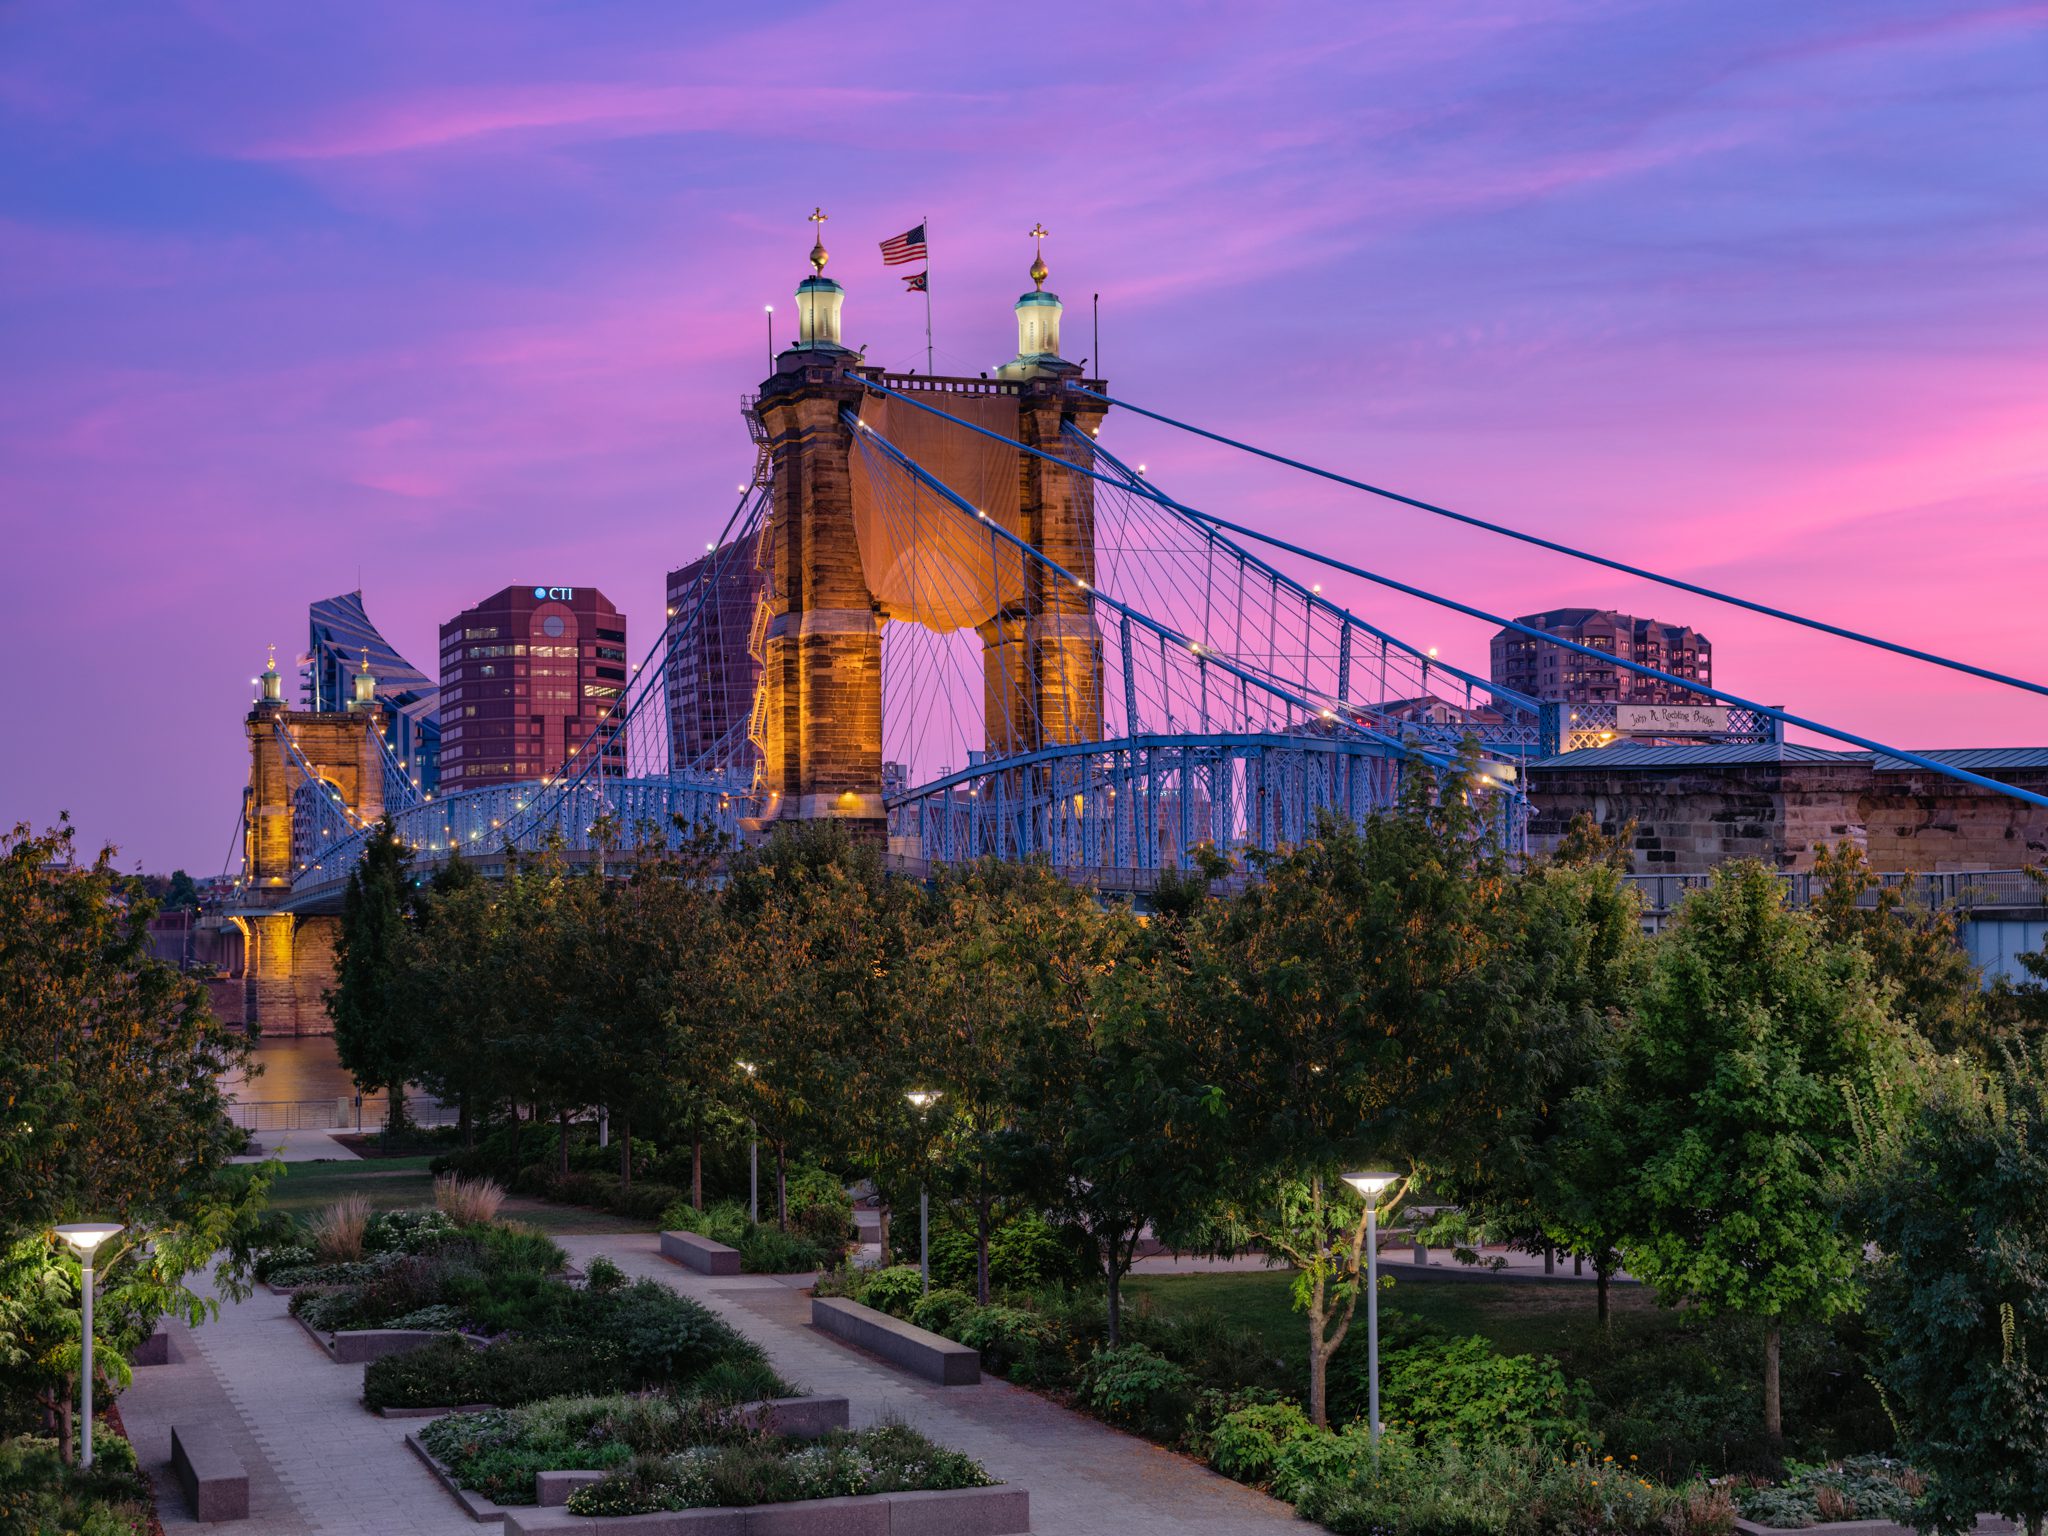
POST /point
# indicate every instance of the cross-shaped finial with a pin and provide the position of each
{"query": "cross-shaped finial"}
(1039, 272)
(1039, 231)
(273, 658)
(819, 255)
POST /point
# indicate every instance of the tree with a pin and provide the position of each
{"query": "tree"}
(110, 1073)
(1915, 950)
(373, 1034)
(1730, 1100)
(1956, 1200)
(1580, 953)
(1368, 1013)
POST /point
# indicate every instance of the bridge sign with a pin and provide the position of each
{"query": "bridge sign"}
(1670, 719)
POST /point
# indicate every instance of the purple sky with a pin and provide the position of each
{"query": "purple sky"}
(463, 295)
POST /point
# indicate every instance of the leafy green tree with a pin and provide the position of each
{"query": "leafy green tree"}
(1370, 1013)
(1915, 950)
(1730, 1100)
(1956, 1200)
(374, 1035)
(449, 993)
(110, 1072)
(1580, 952)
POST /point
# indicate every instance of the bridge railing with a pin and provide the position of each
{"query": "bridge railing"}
(347, 1113)
(1958, 890)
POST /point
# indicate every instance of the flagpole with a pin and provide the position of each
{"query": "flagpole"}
(928, 365)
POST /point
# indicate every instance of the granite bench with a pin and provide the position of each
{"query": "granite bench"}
(700, 1253)
(914, 1349)
(216, 1483)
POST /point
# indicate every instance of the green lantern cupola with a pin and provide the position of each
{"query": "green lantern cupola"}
(366, 688)
(818, 299)
(1038, 322)
(272, 695)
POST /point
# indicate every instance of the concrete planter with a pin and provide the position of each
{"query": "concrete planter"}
(798, 1418)
(1987, 1525)
(700, 1253)
(359, 1346)
(916, 1350)
(1001, 1511)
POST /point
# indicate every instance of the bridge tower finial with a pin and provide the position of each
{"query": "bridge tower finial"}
(273, 685)
(366, 687)
(1038, 322)
(818, 299)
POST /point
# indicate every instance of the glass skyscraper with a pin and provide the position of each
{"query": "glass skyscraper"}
(341, 632)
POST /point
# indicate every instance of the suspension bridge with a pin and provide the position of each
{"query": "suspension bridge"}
(982, 633)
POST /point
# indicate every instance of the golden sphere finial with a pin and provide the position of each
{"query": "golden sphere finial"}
(819, 255)
(1039, 270)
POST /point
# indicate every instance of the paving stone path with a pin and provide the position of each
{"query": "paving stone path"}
(1084, 1477)
(321, 1464)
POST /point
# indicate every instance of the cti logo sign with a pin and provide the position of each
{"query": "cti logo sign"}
(555, 594)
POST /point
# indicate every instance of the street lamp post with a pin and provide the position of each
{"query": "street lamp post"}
(922, 1099)
(771, 336)
(84, 1237)
(1371, 1186)
(753, 1159)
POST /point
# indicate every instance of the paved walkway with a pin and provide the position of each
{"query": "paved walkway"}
(299, 1147)
(319, 1462)
(1084, 1477)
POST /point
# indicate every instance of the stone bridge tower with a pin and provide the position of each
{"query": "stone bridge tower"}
(288, 959)
(819, 718)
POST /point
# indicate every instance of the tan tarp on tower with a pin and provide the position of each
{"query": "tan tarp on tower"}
(926, 561)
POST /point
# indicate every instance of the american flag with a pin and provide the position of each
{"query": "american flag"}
(908, 246)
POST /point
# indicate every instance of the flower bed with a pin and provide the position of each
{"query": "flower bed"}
(673, 1451)
(606, 1338)
(1860, 1488)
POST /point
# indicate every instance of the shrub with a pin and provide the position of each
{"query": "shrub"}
(771, 1251)
(1246, 1443)
(1465, 1390)
(407, 1231)
(1861, 1488)
(508, 1373)
(337, 1232)
(723, 1222)
(1137, 1388)
(468, 1202)
(1010, 1339)
(602, 1274)
(739, 1380)
(942, 1311)
(284, 1257)
(894, 1290)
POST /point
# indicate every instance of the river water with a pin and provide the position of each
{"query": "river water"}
(286, 1067)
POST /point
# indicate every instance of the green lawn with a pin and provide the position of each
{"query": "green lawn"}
(393, 1182)
(1518, 1316)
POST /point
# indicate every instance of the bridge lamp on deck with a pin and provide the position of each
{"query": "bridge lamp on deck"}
(84, 1237)
(1370, 1187)
(921, 1100)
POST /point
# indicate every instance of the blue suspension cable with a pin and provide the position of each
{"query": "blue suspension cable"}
(1933, 765)
(1579, 554)
(1134, 481)
(939, 487)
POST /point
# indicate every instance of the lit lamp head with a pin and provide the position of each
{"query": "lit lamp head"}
(922, 1099)
(1370, 1185)
(747, 1067)
(85, 1236)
